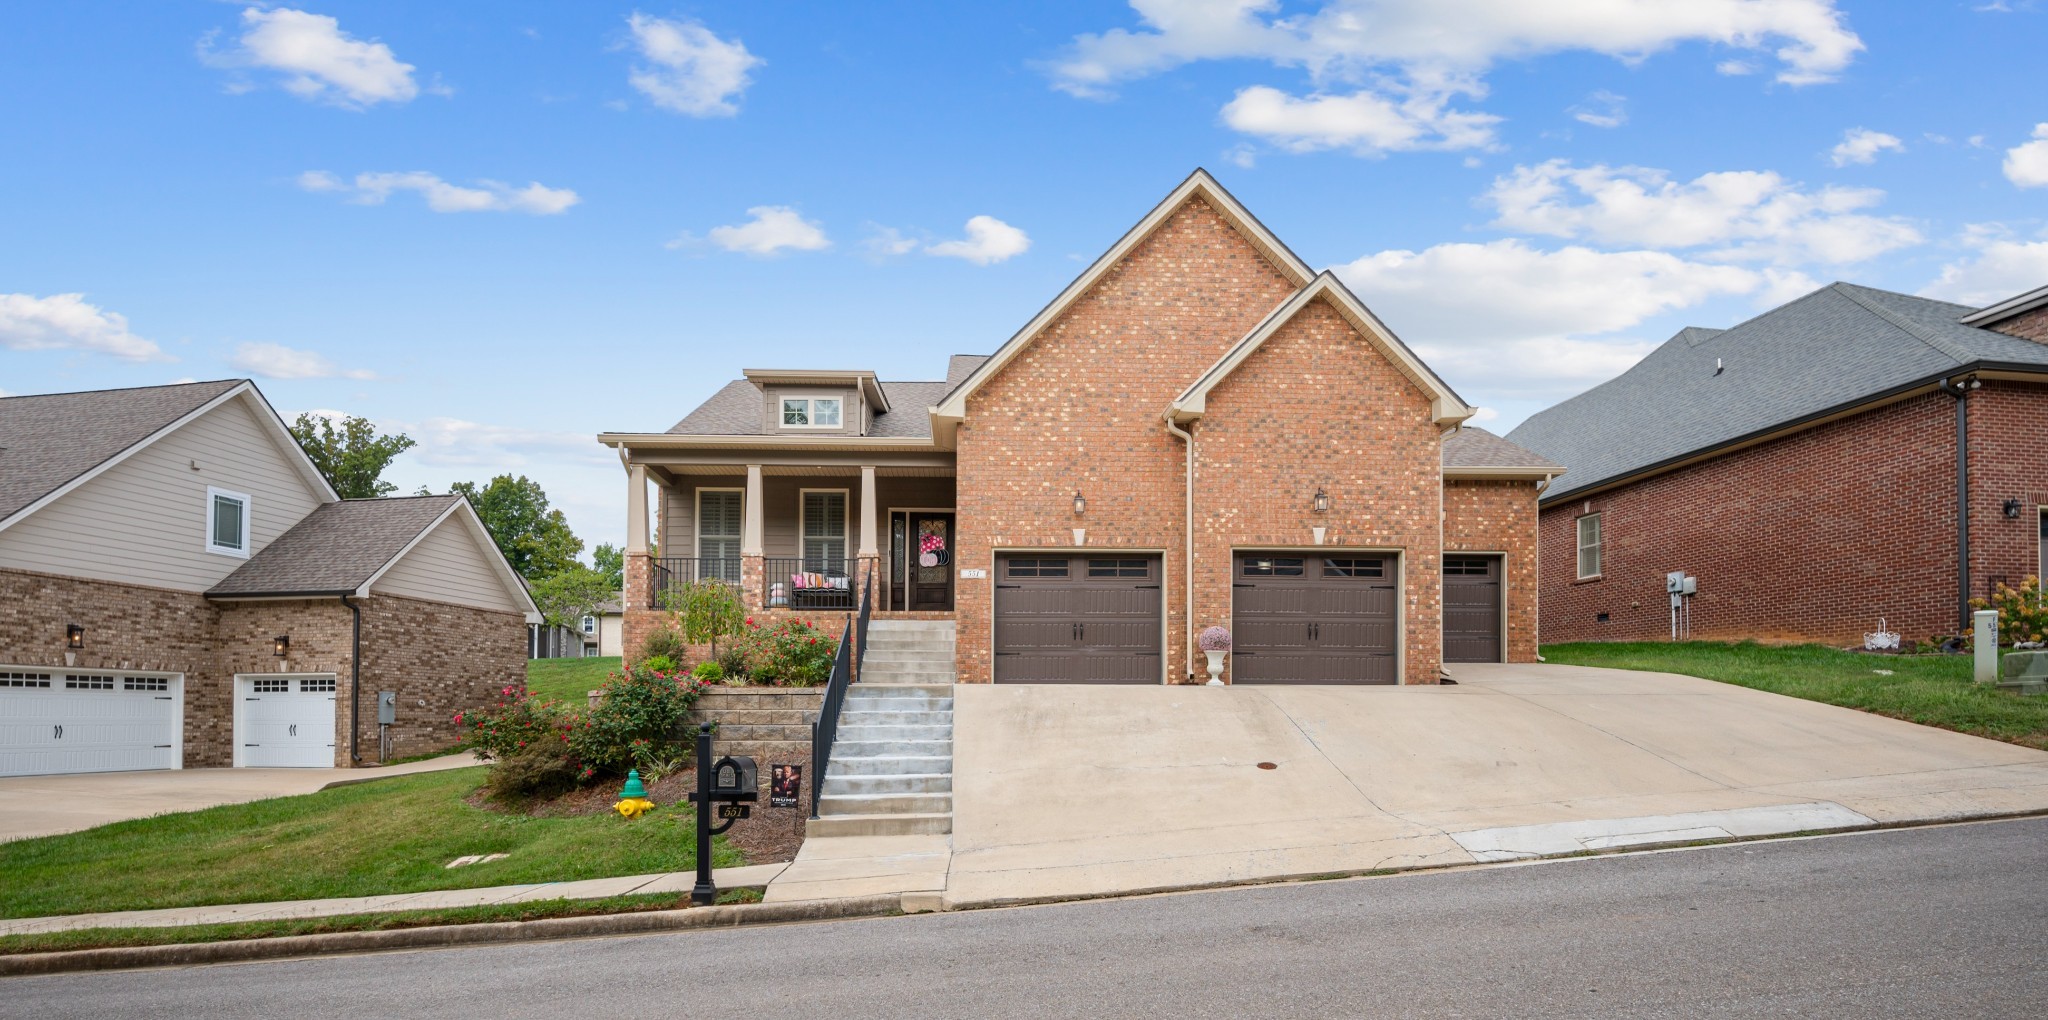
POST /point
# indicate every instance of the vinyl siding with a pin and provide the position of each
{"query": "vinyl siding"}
(144, 520)
(451, 566)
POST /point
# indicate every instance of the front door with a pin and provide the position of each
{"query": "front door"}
(930, 556)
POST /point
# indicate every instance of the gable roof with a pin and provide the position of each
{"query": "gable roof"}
(343, 547)
(949, 411)
(902, 413)
(1832, 351)
(54, 442)
(1446, 407)
(1472, 452)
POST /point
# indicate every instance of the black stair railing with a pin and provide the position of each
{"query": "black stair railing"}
(845, 665)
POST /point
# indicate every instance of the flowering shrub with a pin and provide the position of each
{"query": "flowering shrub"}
(1213, 639)
(790, 653)
(2022, 611)
(638, 720)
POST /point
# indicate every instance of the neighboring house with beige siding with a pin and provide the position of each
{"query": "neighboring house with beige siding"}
(179, 587)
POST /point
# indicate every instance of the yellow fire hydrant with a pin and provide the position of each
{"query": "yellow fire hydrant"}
(633, 800)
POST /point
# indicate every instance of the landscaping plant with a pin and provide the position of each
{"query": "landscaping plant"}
(535, 741)
(1213, 639)
(706, 610)
(787, 653)
(2022, 612)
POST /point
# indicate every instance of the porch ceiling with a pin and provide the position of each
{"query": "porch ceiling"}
(670, 473)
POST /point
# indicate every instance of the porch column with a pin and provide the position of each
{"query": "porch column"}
(636, 510)
(750, 514)
(868, 549)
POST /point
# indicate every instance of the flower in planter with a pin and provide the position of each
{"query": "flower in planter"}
(1213, 639)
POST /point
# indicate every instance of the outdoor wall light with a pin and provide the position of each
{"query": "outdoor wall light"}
(280, 645)
(74, 636)
(1322, 502)
(1080, 505)
(2012, 508)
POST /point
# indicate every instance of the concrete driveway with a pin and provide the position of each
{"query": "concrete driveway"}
(1073, 790)
(48, 805)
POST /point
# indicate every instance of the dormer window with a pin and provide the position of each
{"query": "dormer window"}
(811, 412)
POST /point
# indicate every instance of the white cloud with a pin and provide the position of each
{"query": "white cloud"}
(1743, 214)
(988, 241)
(318, 61)
(1516, 321)
(1364, 122)
(774, 228)
(441, 196)
(276, 361)
(2027, 165)
(1861, 145)
(67, 322)
(886, 242)
(689, 70)
(1735, 68)
(1998, 268)
(1602, 109)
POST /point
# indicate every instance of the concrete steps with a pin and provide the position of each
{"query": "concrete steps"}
(891, 772)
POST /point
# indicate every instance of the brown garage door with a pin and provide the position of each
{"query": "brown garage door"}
(1472, 596)
(1077, 619)
(1313, 619)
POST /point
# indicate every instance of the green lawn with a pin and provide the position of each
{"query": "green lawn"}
(1934, 690)
(569, 680)
(388, 836)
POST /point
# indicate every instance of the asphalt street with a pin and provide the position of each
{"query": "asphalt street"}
(1942, 922)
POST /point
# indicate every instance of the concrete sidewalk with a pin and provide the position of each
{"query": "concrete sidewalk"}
(1065, 791)
(49, 805)
(591, 889)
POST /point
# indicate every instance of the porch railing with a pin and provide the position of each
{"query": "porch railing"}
(671, 573)
(808, 582)
(845, 666)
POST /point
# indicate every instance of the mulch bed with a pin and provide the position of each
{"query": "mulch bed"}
(771, 836)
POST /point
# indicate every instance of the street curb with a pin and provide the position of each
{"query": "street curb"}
(643, 922)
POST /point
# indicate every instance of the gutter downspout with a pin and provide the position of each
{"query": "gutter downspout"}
(1958, 390)
(355, 678)
(1188, 529)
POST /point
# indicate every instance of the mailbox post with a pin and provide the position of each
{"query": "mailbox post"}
(733, 784)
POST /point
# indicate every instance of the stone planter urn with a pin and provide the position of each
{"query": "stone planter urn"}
(1214, 643)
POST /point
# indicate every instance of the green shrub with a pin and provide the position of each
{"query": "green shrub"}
(790, 653)
(540, 771)
(2022, 611)
(664, 644)
(639, 714)
(659, 663)
(732, 661)
(517, 722)
(709, 672)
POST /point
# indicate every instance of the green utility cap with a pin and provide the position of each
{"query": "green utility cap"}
(633, 787)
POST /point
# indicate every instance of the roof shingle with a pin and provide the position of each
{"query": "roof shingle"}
(335, 548)
(1471, 447)
(47, 440)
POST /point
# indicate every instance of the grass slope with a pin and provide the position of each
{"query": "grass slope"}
(569, 680)
(388, 836)
(1934, 690)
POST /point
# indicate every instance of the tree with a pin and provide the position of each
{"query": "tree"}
(705, 610)
(566, 597)
(611, 562)
(351, 457)
(535, 539)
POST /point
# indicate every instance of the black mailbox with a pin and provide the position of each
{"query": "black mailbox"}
(734, 779)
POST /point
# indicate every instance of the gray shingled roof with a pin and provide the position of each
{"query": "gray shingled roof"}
(1471, 447)
(335, 548)
(736, 409)
(49, 439)
(1834, 348)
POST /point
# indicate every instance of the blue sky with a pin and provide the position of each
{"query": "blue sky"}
(505, 227)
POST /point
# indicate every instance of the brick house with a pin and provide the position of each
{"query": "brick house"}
(179, 588)
(1199, 430)
(1853, 456)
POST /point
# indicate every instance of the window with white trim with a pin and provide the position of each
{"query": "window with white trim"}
(227, 522)
(590, 625)
(718, 534)
(824, 530)
(812, 412)
(1589, 546)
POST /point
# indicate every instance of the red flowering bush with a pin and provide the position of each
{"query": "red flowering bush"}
(639, 718)
(788, 653)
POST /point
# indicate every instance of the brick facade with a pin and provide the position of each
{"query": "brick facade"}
(1318, 407)
(1079, 409)
(1500, 517)
(2008, 460)
(2026, 325)
(451, 657)
(1810, 537)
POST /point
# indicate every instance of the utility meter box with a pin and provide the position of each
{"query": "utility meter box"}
(1674, 582)
(1690, 587)
(387, 708)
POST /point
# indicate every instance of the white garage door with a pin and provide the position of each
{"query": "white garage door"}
(53, 722)
(285, 721)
